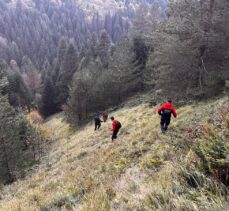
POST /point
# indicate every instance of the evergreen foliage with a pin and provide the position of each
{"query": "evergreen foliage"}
(191, 48)
(48, 106)
(68, 67)
(34, 28)
(19, 94)
(103, 48)
(61, 57)
(15, 152)
(96, 86)
(183, 55)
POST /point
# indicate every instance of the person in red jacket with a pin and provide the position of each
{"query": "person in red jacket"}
(165, 111)
(116, 125)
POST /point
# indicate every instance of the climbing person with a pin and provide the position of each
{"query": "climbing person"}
(97, 122)
(105, 116)
(165, 111)
(116, 126)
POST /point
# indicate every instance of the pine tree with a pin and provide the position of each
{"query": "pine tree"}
(76, 109)
(124, 77)
(190, 48)
(141, 22)
(108, 23)
(12, 136)
(94, 45)
(48, 106)
(61, 50)
(55, 71)
(67, 70)
(141, 51)
(19, 94)
(85, 96)
(104, 47)
(32, 79)
(6, 114)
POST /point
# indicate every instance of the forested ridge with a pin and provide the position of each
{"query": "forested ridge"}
(81, 58)
(34, 31)
(43, 44)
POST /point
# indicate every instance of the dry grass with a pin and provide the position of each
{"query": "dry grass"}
(142, 170)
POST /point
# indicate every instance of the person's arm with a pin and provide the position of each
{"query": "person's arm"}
(160, 109)
(174, 112)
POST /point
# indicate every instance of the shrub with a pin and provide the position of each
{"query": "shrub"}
(35, 117)
(213, 152)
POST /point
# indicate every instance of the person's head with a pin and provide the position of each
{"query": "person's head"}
(112, 118)
(170, 101)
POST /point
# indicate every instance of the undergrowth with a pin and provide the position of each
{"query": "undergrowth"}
(185, 169)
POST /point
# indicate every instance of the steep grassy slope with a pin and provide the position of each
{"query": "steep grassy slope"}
(142, 170)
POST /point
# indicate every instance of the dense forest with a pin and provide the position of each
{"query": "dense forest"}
(20, 143)
(183, 55)
(33, 33)
(31, 30)
(58, 56)
(33, 36)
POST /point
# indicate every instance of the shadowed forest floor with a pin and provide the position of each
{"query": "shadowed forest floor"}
(142, 170)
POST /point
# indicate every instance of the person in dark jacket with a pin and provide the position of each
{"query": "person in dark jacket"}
(165, 111)
(97, 122)
(116, 125)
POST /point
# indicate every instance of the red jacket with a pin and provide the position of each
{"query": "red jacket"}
(169, 107)
(114, 125)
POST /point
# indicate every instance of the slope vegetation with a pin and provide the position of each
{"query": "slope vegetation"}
(142, 170)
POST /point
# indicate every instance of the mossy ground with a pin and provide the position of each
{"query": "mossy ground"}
(142, 170)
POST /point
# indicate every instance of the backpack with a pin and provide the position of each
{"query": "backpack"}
(166, 113)
(118, 125)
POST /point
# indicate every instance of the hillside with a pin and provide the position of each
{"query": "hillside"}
(105, 6)
(142, 170)
(88, 5)
(96, 5)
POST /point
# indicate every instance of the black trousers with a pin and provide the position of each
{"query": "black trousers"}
(97, 126)
(164, 124)
(114, 135)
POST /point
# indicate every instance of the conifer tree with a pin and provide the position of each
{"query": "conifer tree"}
(94, 45)
(19, 94)
(55, 71)
(191, 48)
(85, 96)
(32, 79)
(12, 136)
(141, 22)
(6, 114)
(67, 70)
(61, 50)
(77, 104)
(104, 47)
(48, 106)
